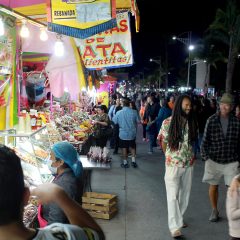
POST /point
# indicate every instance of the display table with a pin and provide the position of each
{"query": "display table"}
(88, 166)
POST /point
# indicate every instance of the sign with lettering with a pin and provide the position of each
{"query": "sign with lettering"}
(109, 49)
(81, 18)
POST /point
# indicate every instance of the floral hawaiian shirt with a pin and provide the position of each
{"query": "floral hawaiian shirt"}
(184, 156)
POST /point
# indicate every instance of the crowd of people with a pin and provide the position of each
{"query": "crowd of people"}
(187, 125)
(182, 126)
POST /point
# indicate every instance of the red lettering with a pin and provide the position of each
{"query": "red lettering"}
(117, 48)
(124, 26)
(89, 52)
(90, 40)
(116, 29)
(104, 49)
(100, 39)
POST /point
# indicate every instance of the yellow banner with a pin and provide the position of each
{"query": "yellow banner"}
(81, 18)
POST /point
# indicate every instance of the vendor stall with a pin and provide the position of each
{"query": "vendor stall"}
(49, 91)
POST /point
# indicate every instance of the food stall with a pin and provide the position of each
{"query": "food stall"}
(46, 62)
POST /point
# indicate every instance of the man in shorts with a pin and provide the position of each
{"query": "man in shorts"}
(127, 119)
(220, 149)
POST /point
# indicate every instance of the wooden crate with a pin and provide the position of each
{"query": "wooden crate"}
(100, 205)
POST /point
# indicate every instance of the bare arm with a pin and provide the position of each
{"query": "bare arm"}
(164, 147)
(76, 215)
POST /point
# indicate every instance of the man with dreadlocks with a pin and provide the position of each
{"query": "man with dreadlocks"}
(177, 135)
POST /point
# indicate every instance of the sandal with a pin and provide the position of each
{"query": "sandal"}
(124, 165)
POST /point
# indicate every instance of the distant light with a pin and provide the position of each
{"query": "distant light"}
(191, 47)
(174, 37)
(204, 61)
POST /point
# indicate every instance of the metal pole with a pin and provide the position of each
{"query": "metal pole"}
(160, 67)
(189, 63)
(166, 83)
(189, 60)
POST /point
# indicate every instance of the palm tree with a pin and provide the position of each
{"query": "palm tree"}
(226, 29)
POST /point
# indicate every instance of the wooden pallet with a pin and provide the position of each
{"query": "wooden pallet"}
(100, 205)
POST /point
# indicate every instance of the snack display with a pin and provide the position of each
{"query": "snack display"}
(53, 134)
(74, 128)
(26, 157)
(39, 152)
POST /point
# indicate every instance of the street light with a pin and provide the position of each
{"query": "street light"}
(186, 41)
(159, 62)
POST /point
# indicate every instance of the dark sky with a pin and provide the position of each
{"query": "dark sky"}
(172, 17)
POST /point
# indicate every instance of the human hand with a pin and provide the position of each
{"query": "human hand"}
(234, 185)
(47, 192)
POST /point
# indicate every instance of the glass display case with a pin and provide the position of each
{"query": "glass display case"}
(33, 150)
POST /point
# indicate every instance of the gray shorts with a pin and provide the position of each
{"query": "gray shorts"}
(213, 172)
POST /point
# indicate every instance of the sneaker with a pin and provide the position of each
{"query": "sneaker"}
(176, 234)
(134, 164)
(144, 139)
(126, 165)
(214, 217)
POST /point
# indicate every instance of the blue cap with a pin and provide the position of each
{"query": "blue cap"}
(66, 152)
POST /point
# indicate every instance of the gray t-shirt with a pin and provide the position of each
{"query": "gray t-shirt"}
(58, 231)
(224, 123)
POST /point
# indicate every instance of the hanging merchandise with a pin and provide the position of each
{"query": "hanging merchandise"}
(81, 19)
(35, 88)
(109, 49)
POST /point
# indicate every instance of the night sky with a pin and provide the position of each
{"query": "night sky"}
(172, 17)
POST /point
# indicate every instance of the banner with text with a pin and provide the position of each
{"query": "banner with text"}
(109, 49)
(81, 19)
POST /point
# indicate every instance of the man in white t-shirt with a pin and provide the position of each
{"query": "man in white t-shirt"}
(14, 196)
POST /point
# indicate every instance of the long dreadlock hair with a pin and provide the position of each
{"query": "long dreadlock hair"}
(176, 127)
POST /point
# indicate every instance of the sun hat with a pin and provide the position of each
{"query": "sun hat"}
(66, 152)
(227, 98)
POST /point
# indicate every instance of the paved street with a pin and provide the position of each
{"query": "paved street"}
(142, 201)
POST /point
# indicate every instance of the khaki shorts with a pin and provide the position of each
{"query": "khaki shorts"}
(213, 172)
